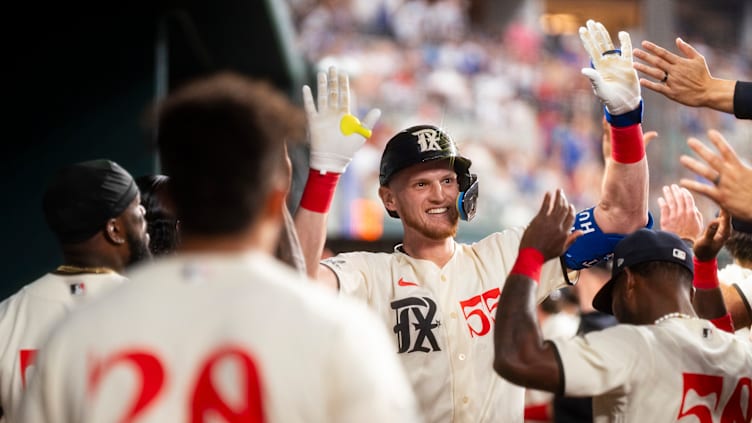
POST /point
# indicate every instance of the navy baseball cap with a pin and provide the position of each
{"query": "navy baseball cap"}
(643, 245)
(740, 225)
(82, 197)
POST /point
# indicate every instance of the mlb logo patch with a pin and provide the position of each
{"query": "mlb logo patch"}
(78, 288)
(681, 255)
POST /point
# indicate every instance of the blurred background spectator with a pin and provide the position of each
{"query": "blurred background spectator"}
(511, 93)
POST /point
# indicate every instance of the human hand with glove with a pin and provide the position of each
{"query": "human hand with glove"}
(335, 133)
(612, 75)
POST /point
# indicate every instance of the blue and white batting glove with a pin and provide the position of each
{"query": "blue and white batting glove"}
(614, 80)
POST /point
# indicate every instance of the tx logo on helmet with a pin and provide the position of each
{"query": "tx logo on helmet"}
(428, 139)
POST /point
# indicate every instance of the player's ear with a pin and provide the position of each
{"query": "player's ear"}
(114, 231)
(388, 198)
(630, 283)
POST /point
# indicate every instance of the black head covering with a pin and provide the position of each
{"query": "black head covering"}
(82, 197)
(643, 245)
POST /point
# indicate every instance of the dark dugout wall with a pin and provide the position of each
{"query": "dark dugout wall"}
(77, 87)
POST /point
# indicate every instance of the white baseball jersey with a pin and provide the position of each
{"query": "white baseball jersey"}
(219, 338)
(442, 322)
(557, 325)
(27, 316)
(681, 370)
(740, 278)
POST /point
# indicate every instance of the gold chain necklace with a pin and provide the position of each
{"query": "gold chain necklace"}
(69, 269)
(674, 315)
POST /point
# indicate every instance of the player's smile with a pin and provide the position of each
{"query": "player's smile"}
(438, 210)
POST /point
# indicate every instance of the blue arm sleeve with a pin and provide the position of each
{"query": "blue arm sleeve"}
(593, 246)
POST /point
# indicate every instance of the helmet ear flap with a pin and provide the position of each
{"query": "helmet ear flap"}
(467, 201)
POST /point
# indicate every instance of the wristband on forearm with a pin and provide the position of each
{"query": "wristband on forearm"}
(319, 191)
(706, 274)
(724, 323)
(627, 145)
(537, 412)
(529, 263)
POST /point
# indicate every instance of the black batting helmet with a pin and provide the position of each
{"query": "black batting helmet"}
(420, 144)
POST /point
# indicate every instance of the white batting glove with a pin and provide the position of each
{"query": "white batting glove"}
(613, 78)
(335, 134)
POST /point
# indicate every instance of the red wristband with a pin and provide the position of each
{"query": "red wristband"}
(537, 412)
(627, 145)
(724, 323)
(529, 263)
(319, 191)
(706, 274)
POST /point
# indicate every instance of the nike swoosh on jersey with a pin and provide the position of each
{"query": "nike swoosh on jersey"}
(403, 282)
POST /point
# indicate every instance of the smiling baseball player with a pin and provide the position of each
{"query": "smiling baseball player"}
(439, 297)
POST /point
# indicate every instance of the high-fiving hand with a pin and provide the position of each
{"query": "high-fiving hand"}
(679, 214)
(731, 188)
(713, 238)
(549, 231)
(613, 78)
(335, 133)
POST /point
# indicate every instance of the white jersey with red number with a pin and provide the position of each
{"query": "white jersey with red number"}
(442, 321)
(219, 338)
(680, 370)
(26, 317)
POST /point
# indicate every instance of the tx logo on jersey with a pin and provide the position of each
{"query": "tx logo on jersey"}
(428, 139)
(415, 324)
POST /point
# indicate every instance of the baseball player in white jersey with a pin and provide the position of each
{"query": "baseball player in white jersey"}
(93, 209)
(221, 331)
(660, 364)
(439, 297)
(736, 277)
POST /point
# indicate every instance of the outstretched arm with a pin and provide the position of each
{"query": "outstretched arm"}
(521, 356)
(708, 299)
(686, 80)
(335, 137)
(623, 205)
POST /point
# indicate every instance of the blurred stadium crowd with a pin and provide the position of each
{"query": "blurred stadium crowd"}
(514, 100)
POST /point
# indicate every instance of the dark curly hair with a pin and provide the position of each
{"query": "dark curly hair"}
(160, 218)
(221, 141)
(739, 243)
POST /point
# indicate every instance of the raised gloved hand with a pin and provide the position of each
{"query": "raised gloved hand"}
(613, 78)
(335, 134)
